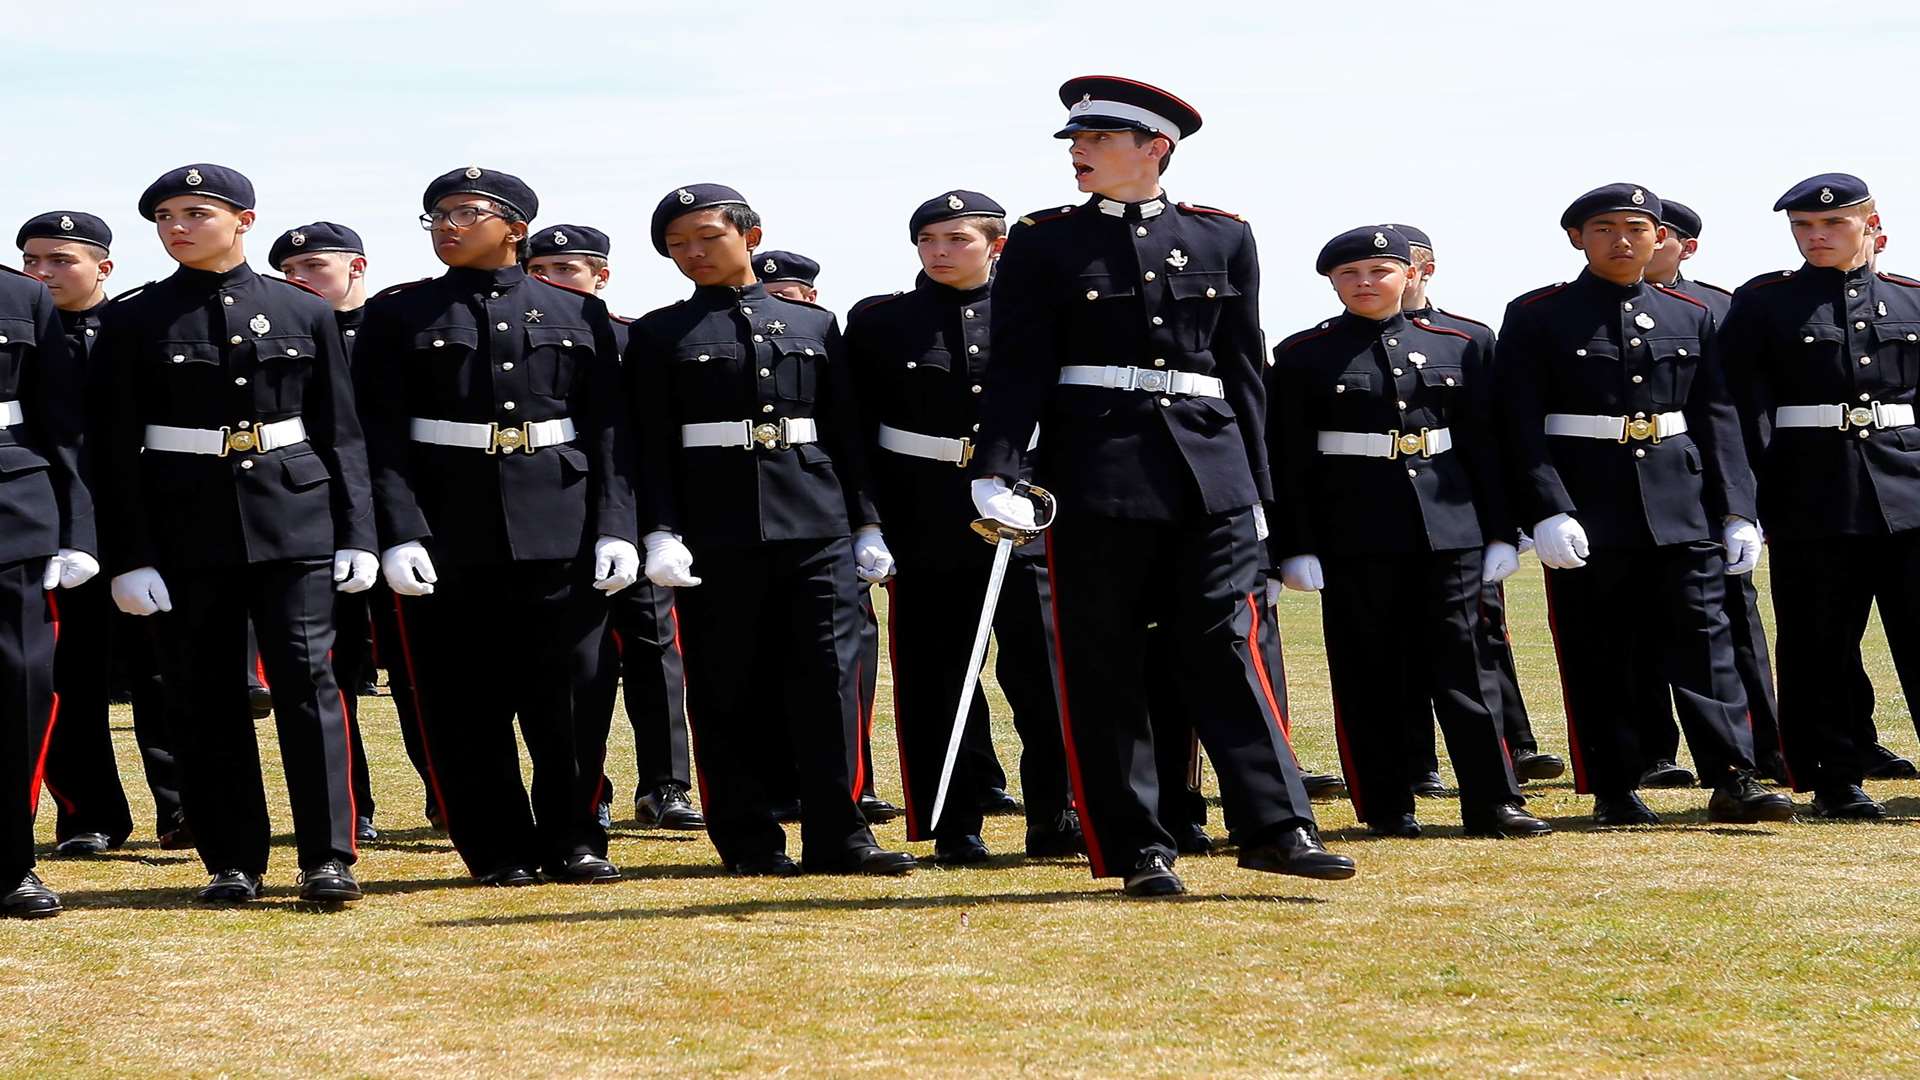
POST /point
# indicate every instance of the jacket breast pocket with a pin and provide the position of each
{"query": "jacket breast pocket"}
(1094, 309)
(1821, 343)
(186, 358)
(934, 359)
(1353, 384)
(282, 366)
(707, 371)
(1200, 285)
(448, 346)
(1670, 375)
(1898, 343)
(16, 337)
(553, 354)
(796, 368)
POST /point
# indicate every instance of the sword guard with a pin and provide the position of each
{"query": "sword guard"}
(993, 531)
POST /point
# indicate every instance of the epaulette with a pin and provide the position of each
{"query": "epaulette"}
(1196, 208)
(544, 280)
(1898, 280)
(1769, 278)
(1539, 294)
(873, 302)
(1694, 300)
(1302, 337)
(1462, 318)
(1709, 285)
(402, 287)
(130, 293)
(804, 303)
(1041, 217)
(293, 283)
(1433, 328)
(621, 319)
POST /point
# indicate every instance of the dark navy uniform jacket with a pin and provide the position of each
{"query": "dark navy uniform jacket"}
(349, 323)
(44, 504)
(494, 347)
(231, 350)
(1174, 290)
(82, 329)
(1358, 375)
(1480, 332)
(1818, 336)
(732, 353)
(1590, 347)
(1717, 299)
(919, 361)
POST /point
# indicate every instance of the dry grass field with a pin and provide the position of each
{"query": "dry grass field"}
(1682, 950)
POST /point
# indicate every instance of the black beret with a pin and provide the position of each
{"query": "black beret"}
(685, 201)
(1828, 191)
(504, 188)
(217, 181)
(1110, 103)
(319, 236)
(1680, 218)
(65, 225)
(569, 240)
(1416, 237)
(1366, 242)
(785, 266)
(951, 205)
(1609, 199)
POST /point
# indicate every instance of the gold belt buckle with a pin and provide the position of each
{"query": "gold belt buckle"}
(505, 440)
(1861, 416)
(1641, 428)
(966, 453)
(240, 439)
(767, 436)
(1408, 444)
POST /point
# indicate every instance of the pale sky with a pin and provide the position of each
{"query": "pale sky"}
(1478, 122)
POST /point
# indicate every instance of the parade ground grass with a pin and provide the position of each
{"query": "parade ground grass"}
(1687, 949)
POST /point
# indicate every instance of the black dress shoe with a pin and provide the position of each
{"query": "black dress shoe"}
(668, 807)
(995, 801)
(329, 883)
(1506, 819)
(510, 877)
(229, 887)
(584, 869)
(1742, 801)
(1428, 785)
(877, 810)
(1058, 840)
(1624, 809)
(868, 860)
(1884, 764)
(1665, 774)
(787, 812)
(967, 850)
(1322, 786)
(86, 843)
(30, 900)
(1534, 765)
(260, 700)
(1153, 877)
(1847, 802)
(1192, 840)
(1772, 768)
(363, 830)
(178, 838)
(1403, 827)
(774, 865)
(1297, 851)
(369, 687)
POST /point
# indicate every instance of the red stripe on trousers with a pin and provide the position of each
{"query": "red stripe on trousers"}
(899, 742)
(693, 730)
(1094, 855)
(353, 805)
(1566, 699)
(40, 771)
(1260, 671)
(419, 710)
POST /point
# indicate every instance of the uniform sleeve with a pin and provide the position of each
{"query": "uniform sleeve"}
(129, 536)
(1727, 483)
(601, 411)
(1240, 358)
(865, 366)
(379, 378)
(1289, 435)
(1520, 378)
(1026, 356)
(843, 432)
(1741, 348)
(61, 383)
(650, 402)
(1478, 441)
(333, 426)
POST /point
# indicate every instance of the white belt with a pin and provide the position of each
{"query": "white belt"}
(1151, 380)
(745, 434)
(492, 438)
(219, 441)
(10, 414)
(1426, 442)
(932, 447)
(1841, 417)
(1617, 428)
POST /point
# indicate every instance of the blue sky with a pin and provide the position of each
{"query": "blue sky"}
(1478, 122)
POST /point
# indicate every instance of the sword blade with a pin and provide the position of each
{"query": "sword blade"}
(1002, 554)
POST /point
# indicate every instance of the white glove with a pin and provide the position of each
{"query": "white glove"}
(616, 564)
(408, 569)
(872, 562)
(141, 592)
(669, 563)
(354, 570)
(1499, 562)
(1561, 543)
(1526, 543)
(1742, 538)
(1302, 573)
(1273, 592)
(994, 499)
(1260, 530)
(69, 568)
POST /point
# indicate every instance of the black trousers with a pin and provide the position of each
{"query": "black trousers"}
(26, 709)
(641, 653)
(201, 642)
(1402, 627)
(352, 667)
(1674, 594)
(1110, 577)
(779, 777)
(388, 654)
(136, 666)
(1660, 736)
(1496, 657)
(772, 614)
(82, 774)
(496, 641)
(933, 609)
(1823, 593)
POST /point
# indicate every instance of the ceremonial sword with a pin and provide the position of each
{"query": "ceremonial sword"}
(1004, 539)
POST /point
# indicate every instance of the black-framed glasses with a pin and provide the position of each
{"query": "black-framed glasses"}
(460, 217)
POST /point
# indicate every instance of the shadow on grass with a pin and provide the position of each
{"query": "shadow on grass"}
(746, 909)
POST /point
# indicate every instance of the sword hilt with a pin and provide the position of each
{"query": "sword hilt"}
(993, 530)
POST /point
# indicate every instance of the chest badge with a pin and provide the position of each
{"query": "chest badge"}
(1417, 359)
(1644, 321)
(776, 327)
(1881, 308)
(259, 324)
(1177, 260)
(535, 315)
